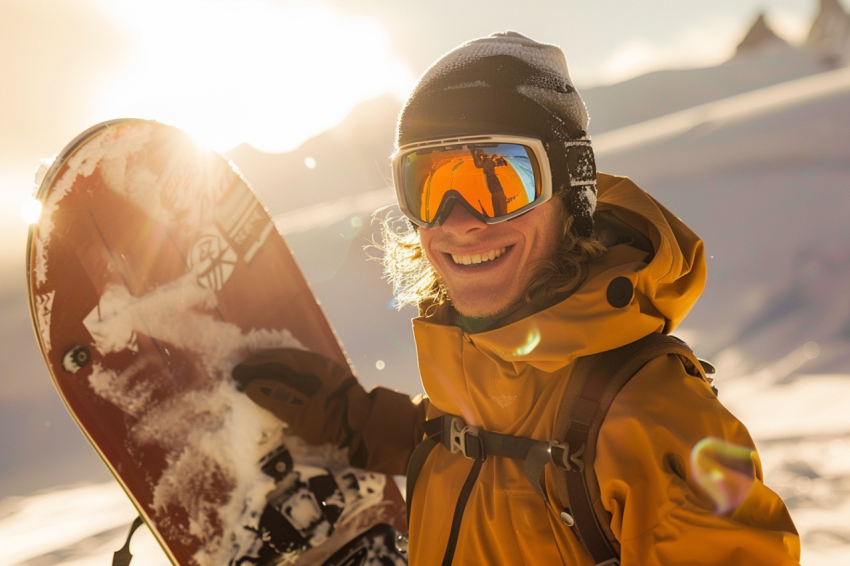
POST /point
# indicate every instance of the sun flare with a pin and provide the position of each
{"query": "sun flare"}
(252, 71)
(31, 210)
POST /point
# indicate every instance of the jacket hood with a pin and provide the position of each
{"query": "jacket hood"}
(656, 259)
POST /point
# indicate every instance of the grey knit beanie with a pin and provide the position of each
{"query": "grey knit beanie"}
(509, 84)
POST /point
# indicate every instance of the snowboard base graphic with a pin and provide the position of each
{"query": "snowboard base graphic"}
(152, 272)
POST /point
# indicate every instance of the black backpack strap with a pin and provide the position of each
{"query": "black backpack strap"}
(592, 389)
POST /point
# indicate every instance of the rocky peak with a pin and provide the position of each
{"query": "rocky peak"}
(760, 37)
(830, 32)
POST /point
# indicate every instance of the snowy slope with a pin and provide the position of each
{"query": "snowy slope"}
(77, 526)
(802, 430)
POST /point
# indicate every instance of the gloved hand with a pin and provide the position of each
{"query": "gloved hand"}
(321, 401)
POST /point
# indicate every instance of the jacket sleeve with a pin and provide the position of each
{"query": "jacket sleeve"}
(682, 480)
(321, 401)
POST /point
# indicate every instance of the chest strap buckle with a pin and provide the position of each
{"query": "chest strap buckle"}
(561, 457)
(464, 438)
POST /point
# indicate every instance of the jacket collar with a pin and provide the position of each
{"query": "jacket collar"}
(665, 285)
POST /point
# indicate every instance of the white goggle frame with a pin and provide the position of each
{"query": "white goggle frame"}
(534, 144)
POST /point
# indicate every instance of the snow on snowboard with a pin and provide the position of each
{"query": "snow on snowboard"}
(152, 272)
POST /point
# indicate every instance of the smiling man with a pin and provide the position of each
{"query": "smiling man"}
(533, 275)
(561, 423)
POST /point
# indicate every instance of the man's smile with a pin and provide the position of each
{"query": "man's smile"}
(475, 259)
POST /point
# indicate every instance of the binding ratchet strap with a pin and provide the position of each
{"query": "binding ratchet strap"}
(123, 557)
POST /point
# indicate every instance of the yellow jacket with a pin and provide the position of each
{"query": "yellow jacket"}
(677, 472)
(650, 459)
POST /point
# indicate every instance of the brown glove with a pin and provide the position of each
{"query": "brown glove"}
(321, 401)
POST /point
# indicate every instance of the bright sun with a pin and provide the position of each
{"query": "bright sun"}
(251, 71)
(31, 210)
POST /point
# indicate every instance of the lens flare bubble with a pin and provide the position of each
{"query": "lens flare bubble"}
(802, 484)
(811, 350)
(531, 342)
(725, 471)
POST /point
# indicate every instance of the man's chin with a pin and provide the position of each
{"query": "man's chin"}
(484, 309)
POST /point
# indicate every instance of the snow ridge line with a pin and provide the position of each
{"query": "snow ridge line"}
(741, 106)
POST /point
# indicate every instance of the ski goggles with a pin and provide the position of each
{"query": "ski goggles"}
(495, 178)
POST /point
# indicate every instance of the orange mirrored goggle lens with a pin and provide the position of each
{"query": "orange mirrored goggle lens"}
(495, 179)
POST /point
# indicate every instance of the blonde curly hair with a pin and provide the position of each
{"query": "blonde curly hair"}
(415, 281)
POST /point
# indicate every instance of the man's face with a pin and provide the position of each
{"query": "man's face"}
(480, 287)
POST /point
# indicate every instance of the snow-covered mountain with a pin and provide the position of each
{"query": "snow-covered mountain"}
(762, 59)
(662, 92)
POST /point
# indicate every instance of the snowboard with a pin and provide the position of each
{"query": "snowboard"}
(152, 272)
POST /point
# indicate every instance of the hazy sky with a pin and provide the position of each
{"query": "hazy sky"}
(273, 73)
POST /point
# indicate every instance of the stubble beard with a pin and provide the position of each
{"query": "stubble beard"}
(469, 311)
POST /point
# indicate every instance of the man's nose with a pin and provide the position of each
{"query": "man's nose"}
(460, 222)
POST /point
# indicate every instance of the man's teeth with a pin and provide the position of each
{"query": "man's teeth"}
(477, 258)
